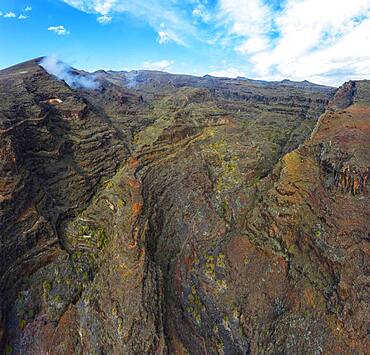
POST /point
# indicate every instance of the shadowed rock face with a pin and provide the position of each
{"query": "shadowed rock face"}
(176, 214)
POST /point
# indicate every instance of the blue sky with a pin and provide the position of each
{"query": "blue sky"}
(324, 41)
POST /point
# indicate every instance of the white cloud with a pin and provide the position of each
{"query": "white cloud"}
(254, 45)
(299, 39)
(162, 65)
(163, 37)
(249, 19)
(105, 19)
(201, 12)
(228, 73)
(103, 6)
(197, 11)
(1, 14)
(28, 9)
(172, 13)
(22, 17)
(59, 30)
(324, 41)
(10, 14)
(332, 62)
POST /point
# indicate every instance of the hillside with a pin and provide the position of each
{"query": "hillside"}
(163, 213)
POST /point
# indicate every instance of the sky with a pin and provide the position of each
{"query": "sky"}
(323, 41)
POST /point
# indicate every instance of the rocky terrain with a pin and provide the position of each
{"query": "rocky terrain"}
(171, 214)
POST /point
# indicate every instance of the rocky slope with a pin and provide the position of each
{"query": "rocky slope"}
(174, 214)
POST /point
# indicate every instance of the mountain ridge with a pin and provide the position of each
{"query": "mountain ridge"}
(191, 216)
(164, 73)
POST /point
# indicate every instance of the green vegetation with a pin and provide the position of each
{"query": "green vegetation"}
(221, 285)
(236, 314)
(221, 260)
(101, 237)
(196, 305)
(224, 165)
(114, 311)
(83, 230)
(151, 134)
(220, 347)
(57, 299)
(85, 276)
(46, 285)
(210, 267)
(96, 235)
(293, 249)
(119, 324)
(226, 322)
(22, 324)
(120, 203)
(109, 184)
(253, 181)
(76, 255)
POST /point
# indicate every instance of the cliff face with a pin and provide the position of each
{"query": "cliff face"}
(175, 214)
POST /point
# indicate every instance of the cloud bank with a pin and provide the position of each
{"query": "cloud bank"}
(168, 18)
(62, 71)
(326, 41)
(305, 39)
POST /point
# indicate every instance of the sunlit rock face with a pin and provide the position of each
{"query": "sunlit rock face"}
(169, 214)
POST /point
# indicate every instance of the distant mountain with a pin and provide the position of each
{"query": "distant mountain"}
(163, 79)
(150, 213)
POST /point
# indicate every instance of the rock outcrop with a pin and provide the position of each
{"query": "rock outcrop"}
(175, 214)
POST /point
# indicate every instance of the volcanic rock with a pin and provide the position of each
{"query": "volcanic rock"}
(174, 214)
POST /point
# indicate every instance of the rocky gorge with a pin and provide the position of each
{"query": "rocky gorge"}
(173, 214)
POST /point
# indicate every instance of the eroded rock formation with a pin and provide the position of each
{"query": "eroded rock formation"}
(175, 214)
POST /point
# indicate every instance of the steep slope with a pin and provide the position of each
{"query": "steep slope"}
(55, 149)
(182, 216)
